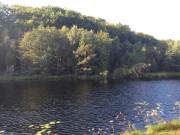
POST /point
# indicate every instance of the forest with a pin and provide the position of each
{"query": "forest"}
(56, 41)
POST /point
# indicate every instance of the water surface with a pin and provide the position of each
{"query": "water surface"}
(81, 106)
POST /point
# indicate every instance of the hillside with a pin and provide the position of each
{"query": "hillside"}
(52, 40)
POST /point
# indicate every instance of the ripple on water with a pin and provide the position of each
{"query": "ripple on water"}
(82, 106)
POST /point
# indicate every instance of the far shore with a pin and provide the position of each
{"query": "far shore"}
(147, 76)
(47, 77)
(161, 76)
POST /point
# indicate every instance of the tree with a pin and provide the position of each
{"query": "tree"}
(47, 50)
(102, 50)
(85, 54)
(7, 52)
(78, 43)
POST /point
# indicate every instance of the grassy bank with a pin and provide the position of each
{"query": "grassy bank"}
(161, 75)
(47, 77)
(147, 76)
(169, 128)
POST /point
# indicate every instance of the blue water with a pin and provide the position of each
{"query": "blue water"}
(82, 106)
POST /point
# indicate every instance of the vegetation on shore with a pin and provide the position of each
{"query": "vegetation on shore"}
(48, 78)
(55, 41)
(169, 128)
(161, 75)
(146, 76)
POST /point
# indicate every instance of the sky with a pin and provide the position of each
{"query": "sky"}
(159, 18)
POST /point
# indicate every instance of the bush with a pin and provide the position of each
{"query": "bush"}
(131, 73)
(121, 73)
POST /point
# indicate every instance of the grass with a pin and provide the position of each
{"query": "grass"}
(24, 77)
(47, 77)
(169, 128)
(161, 75)
(147, 76)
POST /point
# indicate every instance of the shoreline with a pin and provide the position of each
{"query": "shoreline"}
(147, 76)
(161, 76)
(48, 78)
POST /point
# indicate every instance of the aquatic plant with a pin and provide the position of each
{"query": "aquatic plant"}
(169, 128)
(153, 117)
(44, 129)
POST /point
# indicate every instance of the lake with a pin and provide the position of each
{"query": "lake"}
(83, 107)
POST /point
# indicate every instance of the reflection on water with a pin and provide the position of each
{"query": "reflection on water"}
(81, 106)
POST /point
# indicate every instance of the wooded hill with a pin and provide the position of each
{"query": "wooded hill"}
(52, 40)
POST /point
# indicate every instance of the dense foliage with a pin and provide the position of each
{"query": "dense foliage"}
(52, 40)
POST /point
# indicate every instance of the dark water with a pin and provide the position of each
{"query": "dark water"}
(81, 106)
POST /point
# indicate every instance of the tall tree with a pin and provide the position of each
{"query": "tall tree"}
(47, 50)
